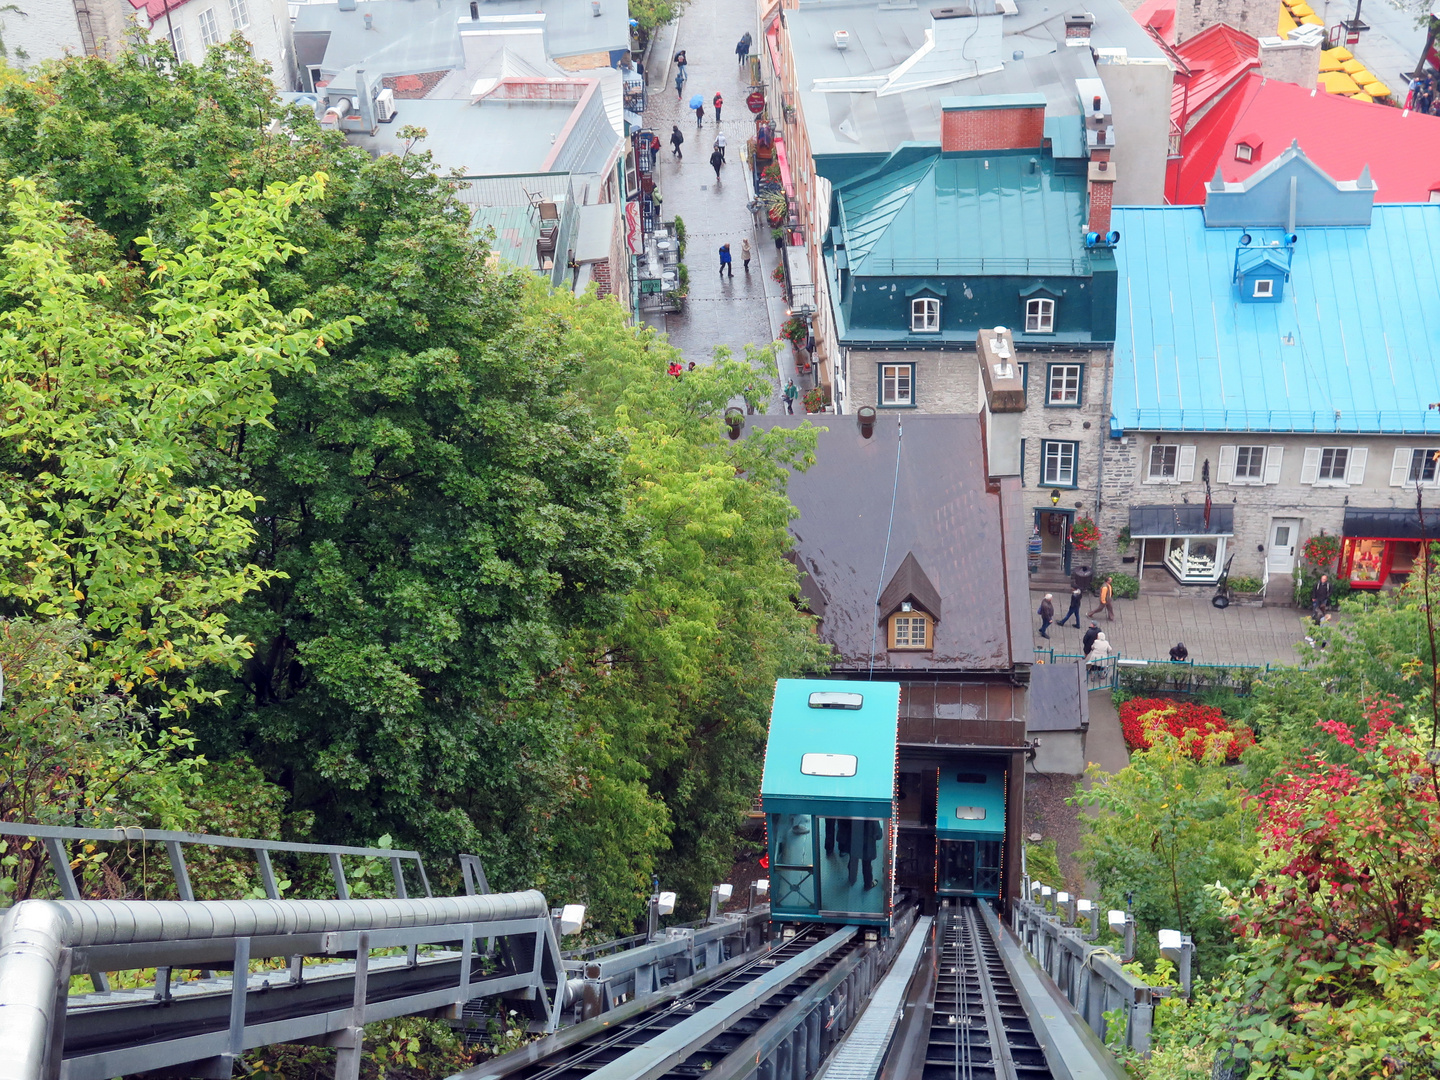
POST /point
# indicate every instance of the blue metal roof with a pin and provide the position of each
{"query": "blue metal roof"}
(867, 734)
(972, 214)
(1352, 346)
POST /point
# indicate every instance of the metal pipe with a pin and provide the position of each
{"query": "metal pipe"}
(34, 932)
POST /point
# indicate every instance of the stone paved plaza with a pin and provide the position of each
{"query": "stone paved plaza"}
(1145, 628)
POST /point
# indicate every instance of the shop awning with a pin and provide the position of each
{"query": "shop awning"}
(1390, 523)
(1182, 520)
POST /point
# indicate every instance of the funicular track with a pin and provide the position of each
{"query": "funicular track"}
(674, 1038)
(979, 1029)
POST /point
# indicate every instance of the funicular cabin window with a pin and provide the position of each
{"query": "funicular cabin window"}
(828, 764)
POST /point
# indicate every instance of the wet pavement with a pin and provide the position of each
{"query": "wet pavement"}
(1146, 627)
(746, 309)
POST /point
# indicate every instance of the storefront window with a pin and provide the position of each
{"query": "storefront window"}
(1367, 557)
(1195, 558)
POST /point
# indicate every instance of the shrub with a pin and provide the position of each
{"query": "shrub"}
(1246, 584)
(1126, 586)
(1141, 717)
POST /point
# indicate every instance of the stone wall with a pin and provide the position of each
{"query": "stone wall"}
(1258, 18)
(1317, 506)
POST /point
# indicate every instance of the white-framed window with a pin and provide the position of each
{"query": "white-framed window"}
(240, 13)
(1058, 463)
(1264, 287)
(1250, 464)
(1415, 465)
(1040, 316)
(1333, 466)
(924, 315)
(177, 39)
(1244, 152)
(897, 384)
(1063, 384)
(1171, 464)
(209, 27)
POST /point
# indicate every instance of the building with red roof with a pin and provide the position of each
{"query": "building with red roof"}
(1251, 124)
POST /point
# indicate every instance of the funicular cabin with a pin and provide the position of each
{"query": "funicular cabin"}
(829, 801)
(970, 829)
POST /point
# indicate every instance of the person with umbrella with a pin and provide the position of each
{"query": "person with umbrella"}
(698, 104)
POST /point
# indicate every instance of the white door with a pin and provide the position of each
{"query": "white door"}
(1280, 557)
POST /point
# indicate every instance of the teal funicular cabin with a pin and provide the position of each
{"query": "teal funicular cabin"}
(970, 829)
(829, 800)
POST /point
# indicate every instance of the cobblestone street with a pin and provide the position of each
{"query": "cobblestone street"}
(747, 309)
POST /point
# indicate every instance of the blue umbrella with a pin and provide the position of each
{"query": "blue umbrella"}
(697, 102)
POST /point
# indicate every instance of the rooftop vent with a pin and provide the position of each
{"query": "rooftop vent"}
(842, 39)
(954, 11)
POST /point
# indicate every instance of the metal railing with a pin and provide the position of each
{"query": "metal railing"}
(208, 1023)
(1089, 976)
(1155, 676)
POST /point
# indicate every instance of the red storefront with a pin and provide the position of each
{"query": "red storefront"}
(1381, 547)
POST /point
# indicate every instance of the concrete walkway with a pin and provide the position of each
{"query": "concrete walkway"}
(1145, 628)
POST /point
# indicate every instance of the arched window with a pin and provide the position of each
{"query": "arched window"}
(924, 315)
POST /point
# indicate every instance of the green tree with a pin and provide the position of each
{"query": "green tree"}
(107, 413)
(688, 674)
(1168, 827)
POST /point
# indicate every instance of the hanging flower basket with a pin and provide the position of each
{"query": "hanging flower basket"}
(1085, 535)
(1322, 551)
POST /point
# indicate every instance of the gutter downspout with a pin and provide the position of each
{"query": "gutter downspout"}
(32, 938)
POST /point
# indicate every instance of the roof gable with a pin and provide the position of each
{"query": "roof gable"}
(1291, 191)
(910, 583)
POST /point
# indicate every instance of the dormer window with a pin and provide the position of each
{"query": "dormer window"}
(1244, 152)
(1040, 316)
(925, 316)
(1264, 288)
(910, 629)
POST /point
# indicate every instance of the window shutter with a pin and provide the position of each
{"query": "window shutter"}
(1310, 467)
(1227, 465)
(1355, 474)
(1274, 455)
(1186, 472)
(1400, 466)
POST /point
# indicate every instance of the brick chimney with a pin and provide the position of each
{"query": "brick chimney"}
(1102, 190)
(1004, 386)
(992, 122)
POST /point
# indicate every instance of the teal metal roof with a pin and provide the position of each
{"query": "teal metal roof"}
(971, 214)
(959, 795)
(1352, 346)
(866, 734)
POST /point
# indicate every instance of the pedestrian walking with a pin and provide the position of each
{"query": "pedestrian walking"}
(742, 50)
(790, 393)
(717, 102)
(1046, 611)
(1107, 594)
(725, 261)
(1178, 653)
(699, 116)
(1319, 597)
(1074, 609)
(745, 253)
(691, 366)
(679, 84)
(716, 160)
(720, 144)
(680, 62)
(674, 369)
(675, 140)
(1098, 654)
(1091, 633)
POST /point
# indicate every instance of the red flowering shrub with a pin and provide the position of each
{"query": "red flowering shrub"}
(1352, 852)
(1139, 717)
